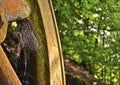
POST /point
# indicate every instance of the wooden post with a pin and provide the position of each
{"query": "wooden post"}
(46, 31)
(9, 10)
(6, 71)
(57, 74)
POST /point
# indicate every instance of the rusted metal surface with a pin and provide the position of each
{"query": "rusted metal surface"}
(57, 74)
(14, 9)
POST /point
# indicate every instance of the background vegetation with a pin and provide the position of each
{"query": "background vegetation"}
(90, 36)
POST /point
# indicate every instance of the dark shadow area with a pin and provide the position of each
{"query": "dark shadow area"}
(17, 47)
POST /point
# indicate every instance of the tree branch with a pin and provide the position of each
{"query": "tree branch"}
(74, 69)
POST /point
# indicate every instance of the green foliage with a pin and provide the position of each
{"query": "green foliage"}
(89, 31)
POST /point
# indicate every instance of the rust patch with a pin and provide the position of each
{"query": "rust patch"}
(14, 9)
